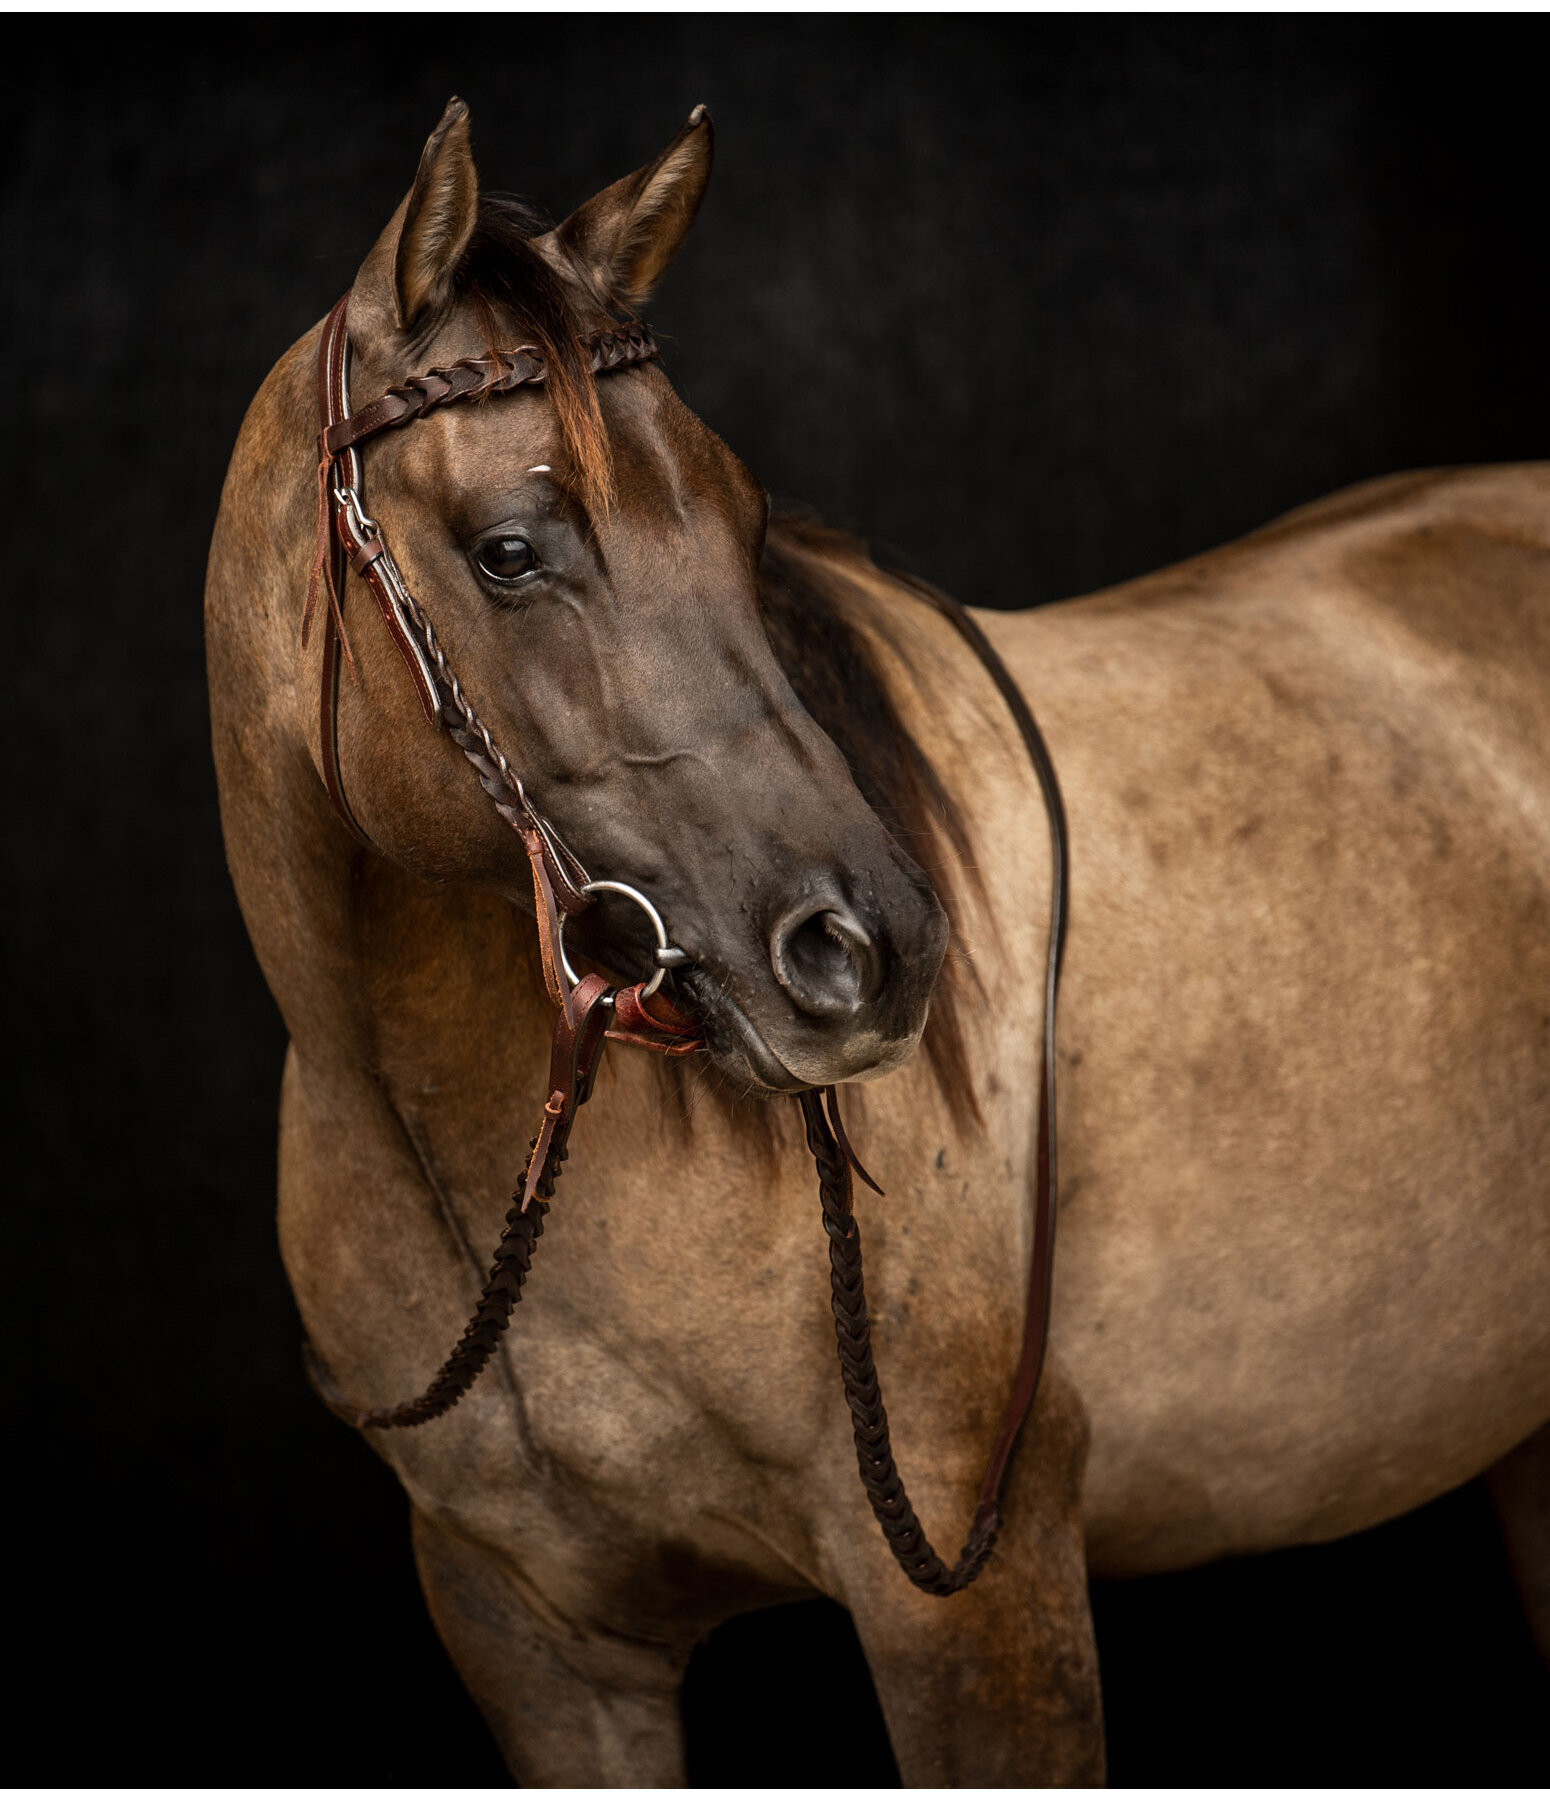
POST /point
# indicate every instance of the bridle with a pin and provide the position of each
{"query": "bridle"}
(589, 1010)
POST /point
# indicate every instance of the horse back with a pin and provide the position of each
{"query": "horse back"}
(1387, 647)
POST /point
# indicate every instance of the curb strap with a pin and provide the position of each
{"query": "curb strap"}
(653, 1024)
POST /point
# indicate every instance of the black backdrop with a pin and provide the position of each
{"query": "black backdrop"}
(1037, 304)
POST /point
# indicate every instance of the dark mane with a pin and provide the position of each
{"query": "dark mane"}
(802, 583)
(520, 299)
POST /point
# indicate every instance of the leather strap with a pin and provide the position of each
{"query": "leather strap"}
(836, 1160)
(348, 537)
(343, 539)
(334, 641)
(654, 1024)
(578, 1045)
(501, 372)
(1030, 1362)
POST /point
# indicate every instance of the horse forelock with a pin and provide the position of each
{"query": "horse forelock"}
(519, 298)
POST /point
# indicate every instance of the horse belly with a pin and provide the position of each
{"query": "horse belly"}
(1290, 1379)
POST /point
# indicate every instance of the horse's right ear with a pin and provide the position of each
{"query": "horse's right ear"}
(409, 274)
(438, 218)
(624, 238)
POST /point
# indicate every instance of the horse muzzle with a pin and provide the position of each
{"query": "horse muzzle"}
(840, 992)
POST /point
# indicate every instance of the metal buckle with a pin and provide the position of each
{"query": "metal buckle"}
(361, 522)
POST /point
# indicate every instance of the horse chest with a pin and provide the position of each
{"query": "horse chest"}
(615, 1485)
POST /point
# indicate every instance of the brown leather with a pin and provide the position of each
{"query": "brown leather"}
(653, 1024)
(572, 1069)
(328, 566)
(1041, 1262)
(835, 1160)
(853, 1336)
(345, 537)
(547, 912)
(328, 709)
(365, 552)
(501, 372)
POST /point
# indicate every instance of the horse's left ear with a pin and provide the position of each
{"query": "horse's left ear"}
(624, 237)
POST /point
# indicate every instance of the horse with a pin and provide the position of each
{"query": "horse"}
(1303, 1054)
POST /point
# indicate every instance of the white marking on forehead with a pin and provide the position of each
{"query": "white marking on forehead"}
(540, 469)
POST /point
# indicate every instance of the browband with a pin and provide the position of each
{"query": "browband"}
(500, 372)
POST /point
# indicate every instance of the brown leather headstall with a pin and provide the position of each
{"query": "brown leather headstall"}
(349, 538)
(588, 1011)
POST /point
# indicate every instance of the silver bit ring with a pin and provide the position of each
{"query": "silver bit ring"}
(667, 955)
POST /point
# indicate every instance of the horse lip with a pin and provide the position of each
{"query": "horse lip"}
(764, 1067)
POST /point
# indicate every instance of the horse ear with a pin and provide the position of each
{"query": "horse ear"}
(438, 219)
(624, 237)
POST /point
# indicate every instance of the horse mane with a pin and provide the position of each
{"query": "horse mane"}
(808, 573)
(805, 579)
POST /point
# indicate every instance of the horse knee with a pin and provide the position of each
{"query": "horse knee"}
(565, 1709)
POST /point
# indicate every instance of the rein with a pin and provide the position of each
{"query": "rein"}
(349, 538)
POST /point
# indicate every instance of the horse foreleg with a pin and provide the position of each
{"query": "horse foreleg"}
(996, 1686)
(567, 1709)
(1520, 1489)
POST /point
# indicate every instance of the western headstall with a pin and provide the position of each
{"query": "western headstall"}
(589, 1010)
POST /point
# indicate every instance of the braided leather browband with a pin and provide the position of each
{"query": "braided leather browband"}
(348, 538)
(501, 372)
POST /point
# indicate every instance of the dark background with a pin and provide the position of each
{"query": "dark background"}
(1037, 304)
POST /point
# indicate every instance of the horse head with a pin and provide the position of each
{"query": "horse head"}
(588, 552)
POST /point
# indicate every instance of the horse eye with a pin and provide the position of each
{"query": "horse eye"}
(507, 558)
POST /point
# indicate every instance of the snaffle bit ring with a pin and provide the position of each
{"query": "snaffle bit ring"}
(667, 956)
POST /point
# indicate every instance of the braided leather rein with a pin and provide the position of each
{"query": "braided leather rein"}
(348, 538)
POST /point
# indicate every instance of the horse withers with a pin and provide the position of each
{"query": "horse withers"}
(1304, 1051)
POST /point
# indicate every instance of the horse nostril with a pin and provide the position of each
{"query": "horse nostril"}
(825, 961)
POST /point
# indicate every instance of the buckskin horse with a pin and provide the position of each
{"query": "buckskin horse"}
(1303, 1055)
